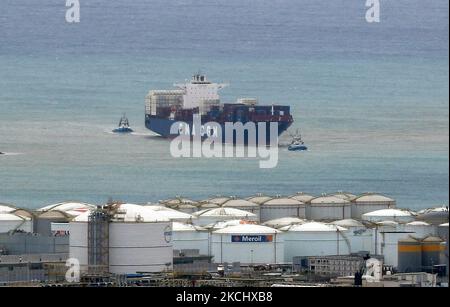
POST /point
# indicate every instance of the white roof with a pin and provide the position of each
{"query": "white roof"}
(418, 223)
(387, 223)
(178, 201)
(226, 212)
(344, 195)
(314, 227)
(436, 209)
(239, 203)
(444, 225)
(176, 226)
(169, 213)
(300, 196)
(388, 212)
(372, 197)
(75, 207)
(131, 213)
(328, 199)
(282, 201)
(208, 205)
(219, 200)
(6, 208)
(348, 223)
(224, 224)
(4, 216)
(259, 199)
(284, 221)
(247, 229)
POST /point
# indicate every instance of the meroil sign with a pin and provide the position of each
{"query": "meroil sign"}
(251, 238)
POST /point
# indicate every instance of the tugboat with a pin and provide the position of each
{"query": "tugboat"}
(297, 143)
(124, 126)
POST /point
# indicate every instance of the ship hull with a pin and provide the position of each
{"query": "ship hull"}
(162, 127)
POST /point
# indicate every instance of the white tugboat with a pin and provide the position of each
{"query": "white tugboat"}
(124, 126)
(297, 143)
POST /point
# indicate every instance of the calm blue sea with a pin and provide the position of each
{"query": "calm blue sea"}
(371, 99)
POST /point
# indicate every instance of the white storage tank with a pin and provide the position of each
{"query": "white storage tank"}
(223, 214)
(396, 215)
(419, 229)
(386, 235)
(315, 239)
(12, 222)
(359, 235)
(188, 236)
(242, 204)
(279, 207)
(140, 240)
(181, 204)
(302, 197)
(283, 222)
(328, 208)
(435, 216)
(369, 202)
(247, 244)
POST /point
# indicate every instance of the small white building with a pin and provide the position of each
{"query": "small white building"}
(248, 244)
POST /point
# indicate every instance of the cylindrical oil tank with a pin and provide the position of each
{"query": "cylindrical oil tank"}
(12, 222)
(171, 214)
(242, 204)
(223, 214)
(248, 244)
(279, 207)
(396, 215)
(188, 236)
(177, 201)
(432, 250)
(409, 255)
(443, 234)
(419, 229)
(434, 216)
(140, 240)
(139, 247)
(360, 236)
(386, 235)
(314, 239)
(302, 197)
(369, 202)
(328, 208)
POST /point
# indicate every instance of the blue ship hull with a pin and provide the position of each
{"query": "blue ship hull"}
(162, 126)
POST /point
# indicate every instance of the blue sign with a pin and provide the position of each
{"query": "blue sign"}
(251, 238)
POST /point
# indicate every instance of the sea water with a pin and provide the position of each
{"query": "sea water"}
(371, 99)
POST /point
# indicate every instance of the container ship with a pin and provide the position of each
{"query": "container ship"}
(201, 97)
